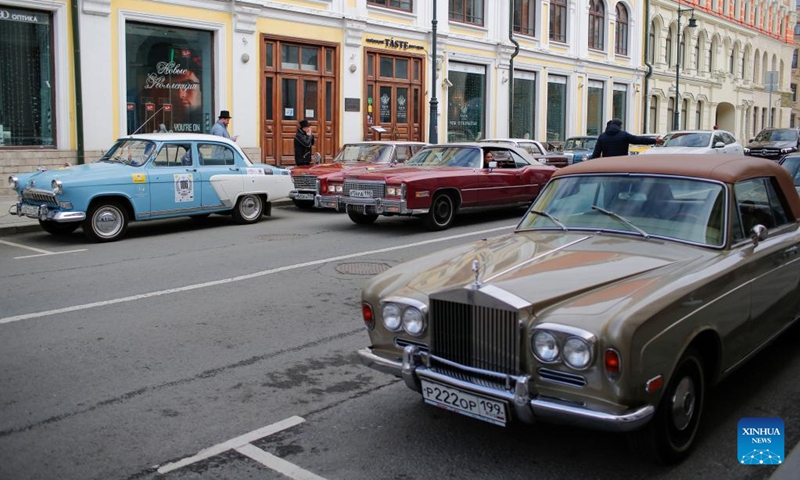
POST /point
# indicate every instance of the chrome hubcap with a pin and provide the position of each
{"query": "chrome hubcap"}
(250, 208)
(683, 403)
(107, 221)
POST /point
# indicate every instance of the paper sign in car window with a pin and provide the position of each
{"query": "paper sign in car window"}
(139, 177)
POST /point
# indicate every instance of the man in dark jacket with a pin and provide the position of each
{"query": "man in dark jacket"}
(303, 141)
(614, 142)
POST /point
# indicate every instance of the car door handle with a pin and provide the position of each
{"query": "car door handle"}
(191, 169)
(233, 169)
(791, 251)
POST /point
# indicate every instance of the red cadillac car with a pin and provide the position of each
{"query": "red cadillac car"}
(438, 182)
(352, 155)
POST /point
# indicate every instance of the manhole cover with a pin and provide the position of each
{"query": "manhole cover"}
(362, 268)
(281, 237)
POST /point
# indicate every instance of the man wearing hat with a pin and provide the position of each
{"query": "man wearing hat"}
(221, 127)
(303, 141)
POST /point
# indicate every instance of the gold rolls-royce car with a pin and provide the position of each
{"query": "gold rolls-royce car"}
(624, 293)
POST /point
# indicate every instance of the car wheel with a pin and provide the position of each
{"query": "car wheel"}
(303, 204)
(56, 228)
(248, 209)
(362, 218)
(106, 222)
(441, 214)
(669, 436)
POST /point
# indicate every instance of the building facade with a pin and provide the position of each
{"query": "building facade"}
(732, 68)
(363, 69)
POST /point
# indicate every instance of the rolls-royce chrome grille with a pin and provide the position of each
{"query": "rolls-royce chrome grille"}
(40, 197)
(377, 189)
(305, 182)
(475, 336)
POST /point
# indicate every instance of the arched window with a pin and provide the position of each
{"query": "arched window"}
(653, 114)
(697, 55)
(621, 34)
(558, 20)
(684, 113)
(651, 43)
(597, 21)
(698, 114)
(711, 56)
(732, 61)
(668, 50)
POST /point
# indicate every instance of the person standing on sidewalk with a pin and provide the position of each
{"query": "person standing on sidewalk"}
(221, 127)
(303, 141)
(615, 141)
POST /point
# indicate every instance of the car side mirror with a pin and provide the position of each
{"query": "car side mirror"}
(719, 145)
(492, 165)
(751, 140)
(758, 234)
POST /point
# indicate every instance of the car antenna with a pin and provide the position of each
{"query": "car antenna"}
(148, 119)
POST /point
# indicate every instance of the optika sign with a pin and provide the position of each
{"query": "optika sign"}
(761, 441)
(25, 17)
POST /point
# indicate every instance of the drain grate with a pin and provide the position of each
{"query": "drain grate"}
(362, 268)
(281, 237)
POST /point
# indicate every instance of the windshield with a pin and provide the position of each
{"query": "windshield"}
(580, 144)
(677, 208)
(469, 157)
(792, 164)
(783, 135)
(368, 152)
(130, 152)
(687, 139)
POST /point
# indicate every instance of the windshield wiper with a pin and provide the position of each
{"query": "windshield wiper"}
(621, 219)
(552, 218)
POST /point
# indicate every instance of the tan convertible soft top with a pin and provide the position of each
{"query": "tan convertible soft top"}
(723, 168)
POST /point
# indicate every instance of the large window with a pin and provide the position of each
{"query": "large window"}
(698, 113)
(169, 77)
(27, 114)
(594, 108)
(467, 11)
(524, 105)
(653, 114)
(558, 20)
(466, 98)
(556, 108)
(597, 21)
(621, 33)
(525, 17)
(620, 103)
(404, 5)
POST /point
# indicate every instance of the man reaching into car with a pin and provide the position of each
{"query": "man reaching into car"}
(615, 141)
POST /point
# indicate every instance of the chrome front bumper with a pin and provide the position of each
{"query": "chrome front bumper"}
(47, 214)
(302, 194)
(377, 206)
(527, 406)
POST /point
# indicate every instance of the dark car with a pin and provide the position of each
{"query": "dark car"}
(773, 143)
(792, 164)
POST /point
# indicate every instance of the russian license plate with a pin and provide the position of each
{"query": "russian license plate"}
(361, 193)
(305, 196)
(465, 403)
(30, 210)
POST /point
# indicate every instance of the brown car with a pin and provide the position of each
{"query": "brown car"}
(627, 290)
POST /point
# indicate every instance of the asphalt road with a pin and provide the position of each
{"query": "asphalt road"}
(125, 360)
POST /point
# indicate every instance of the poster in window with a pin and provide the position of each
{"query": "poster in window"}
(170, 68)
(386, 104)
(402, 105)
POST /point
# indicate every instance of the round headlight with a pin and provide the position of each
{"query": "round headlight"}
(545, 346)
(577, 353)
(413, 321)
(13, 182)
(57, 186)
(391, 316)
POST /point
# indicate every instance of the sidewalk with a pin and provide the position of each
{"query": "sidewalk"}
(10, 224)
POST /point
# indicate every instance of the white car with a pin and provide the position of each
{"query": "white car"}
(698, 142)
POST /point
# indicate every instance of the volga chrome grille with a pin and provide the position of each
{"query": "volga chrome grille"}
(475, 336)
(562, 377)
(305, 182)
(40, 197)
(378, 189)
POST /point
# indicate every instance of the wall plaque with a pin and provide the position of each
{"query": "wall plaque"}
(352, 104)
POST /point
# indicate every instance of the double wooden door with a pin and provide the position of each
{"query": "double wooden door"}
(393, 97)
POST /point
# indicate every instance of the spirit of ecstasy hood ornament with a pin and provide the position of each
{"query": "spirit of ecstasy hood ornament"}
(476, 267)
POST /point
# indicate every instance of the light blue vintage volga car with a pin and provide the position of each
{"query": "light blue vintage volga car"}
(146, 177)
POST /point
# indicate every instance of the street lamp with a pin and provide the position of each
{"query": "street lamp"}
(433, 132)
(692, 24)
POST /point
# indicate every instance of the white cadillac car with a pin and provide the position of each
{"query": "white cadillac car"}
(698, 142)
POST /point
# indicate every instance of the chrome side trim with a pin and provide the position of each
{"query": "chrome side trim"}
(379, 363)
(583, 417)
(68, 217)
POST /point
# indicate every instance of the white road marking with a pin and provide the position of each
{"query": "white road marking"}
(50, 253)
(276, 463)
(46, 252)
(233, 443)
(249, 276)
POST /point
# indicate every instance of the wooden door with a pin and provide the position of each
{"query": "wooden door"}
(393, 97)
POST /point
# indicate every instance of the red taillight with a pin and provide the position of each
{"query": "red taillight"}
(612, 362)
(366, 314)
